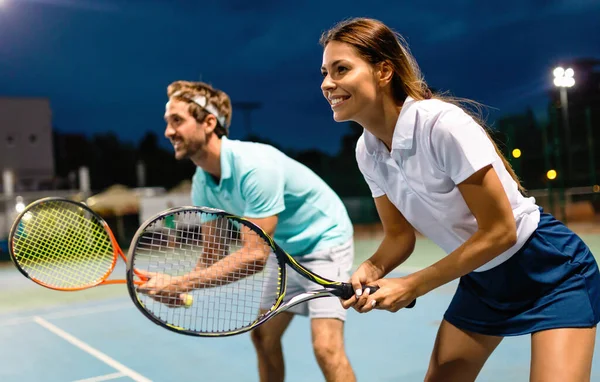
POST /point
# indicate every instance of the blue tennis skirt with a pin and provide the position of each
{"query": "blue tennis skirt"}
(551, 282)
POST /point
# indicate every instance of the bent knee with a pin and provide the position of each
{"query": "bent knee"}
(457, 370)
(328, 350)
(435, 375)
(264, 339)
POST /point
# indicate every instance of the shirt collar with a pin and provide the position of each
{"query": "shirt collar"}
(225, 159)
(403, 131)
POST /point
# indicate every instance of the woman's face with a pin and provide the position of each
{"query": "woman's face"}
(349, 82)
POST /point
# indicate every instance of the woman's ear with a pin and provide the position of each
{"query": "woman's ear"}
(385, 73)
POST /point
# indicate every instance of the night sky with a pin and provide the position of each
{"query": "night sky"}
(105, 65)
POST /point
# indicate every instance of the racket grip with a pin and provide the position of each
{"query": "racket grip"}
(348, 291)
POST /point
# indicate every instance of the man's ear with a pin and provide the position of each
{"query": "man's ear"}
(210, 123)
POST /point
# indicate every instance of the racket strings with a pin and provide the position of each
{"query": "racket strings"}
(62, 245)
(190, 241)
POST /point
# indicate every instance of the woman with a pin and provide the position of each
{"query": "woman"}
(431, 167)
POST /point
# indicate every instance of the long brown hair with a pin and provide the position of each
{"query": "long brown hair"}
(375, 43)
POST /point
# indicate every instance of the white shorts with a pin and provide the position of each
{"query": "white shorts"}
(332, 263)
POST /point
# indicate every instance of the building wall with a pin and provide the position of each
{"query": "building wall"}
(26, 145)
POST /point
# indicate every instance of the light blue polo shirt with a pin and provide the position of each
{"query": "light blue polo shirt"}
(259, 181)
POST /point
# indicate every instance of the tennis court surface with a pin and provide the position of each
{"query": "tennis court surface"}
(98, 335)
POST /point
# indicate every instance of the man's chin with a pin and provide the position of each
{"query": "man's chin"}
(180, 155)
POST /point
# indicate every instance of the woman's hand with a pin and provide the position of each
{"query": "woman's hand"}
(366, 274)
(392, 295)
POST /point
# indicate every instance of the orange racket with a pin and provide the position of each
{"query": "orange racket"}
(64, 245)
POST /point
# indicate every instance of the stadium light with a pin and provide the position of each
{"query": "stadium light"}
(563, 79)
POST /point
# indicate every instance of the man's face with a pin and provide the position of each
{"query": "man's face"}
(187, 135)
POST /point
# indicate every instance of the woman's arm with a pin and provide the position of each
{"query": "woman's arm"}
(496, 232)
(397, 245)
(398, 240)
(485, 196)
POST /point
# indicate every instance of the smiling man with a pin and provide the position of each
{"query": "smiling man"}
(286, 199)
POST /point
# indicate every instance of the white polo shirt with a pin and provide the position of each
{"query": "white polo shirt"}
(436, 146)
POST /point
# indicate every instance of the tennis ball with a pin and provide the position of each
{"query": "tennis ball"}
(188, 300)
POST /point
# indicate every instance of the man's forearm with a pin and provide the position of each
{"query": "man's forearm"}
(238, 265)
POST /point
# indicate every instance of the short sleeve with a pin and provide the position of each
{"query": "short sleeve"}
(460, 146)
(263, 190)
(363, 160)
(375, 190)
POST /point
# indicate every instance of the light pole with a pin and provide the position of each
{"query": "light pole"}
(563, 79)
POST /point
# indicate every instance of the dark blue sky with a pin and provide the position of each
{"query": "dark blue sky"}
(105, 64)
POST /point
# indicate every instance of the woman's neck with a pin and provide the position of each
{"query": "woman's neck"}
(382, 119)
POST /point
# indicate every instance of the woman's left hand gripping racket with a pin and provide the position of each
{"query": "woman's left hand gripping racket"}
(64, 245)
(234, 270)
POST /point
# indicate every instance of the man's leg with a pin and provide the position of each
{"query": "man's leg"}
(267, 342)
(327, 314)
(328, 344)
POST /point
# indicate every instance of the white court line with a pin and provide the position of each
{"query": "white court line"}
(91, 351)
(101, 378)
(66, 314)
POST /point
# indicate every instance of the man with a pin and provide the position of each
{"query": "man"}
(286, 199)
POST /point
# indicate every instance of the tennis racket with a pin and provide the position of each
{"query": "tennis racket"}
(235, 272)
(64, 245)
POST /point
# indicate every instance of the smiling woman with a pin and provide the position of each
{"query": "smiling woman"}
(432, 168)
(347, 41)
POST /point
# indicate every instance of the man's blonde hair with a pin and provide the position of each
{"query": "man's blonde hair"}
(187, 91)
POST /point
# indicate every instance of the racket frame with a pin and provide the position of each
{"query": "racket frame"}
(115, 245)
(330, 287)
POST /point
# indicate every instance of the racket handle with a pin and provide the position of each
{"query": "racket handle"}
(349, 292)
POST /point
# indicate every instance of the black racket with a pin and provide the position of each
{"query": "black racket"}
(225, 262)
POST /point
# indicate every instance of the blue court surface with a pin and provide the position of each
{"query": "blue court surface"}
(98, 335)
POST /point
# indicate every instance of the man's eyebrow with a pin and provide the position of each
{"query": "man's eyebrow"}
(167, 116)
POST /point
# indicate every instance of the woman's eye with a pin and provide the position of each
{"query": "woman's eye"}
(342, 69)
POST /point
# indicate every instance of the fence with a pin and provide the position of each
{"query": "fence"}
(581, 204)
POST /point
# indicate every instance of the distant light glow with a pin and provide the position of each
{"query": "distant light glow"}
(551, 174)
(564, 78)
(20, 207)
(516, 153)
(558, 72)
